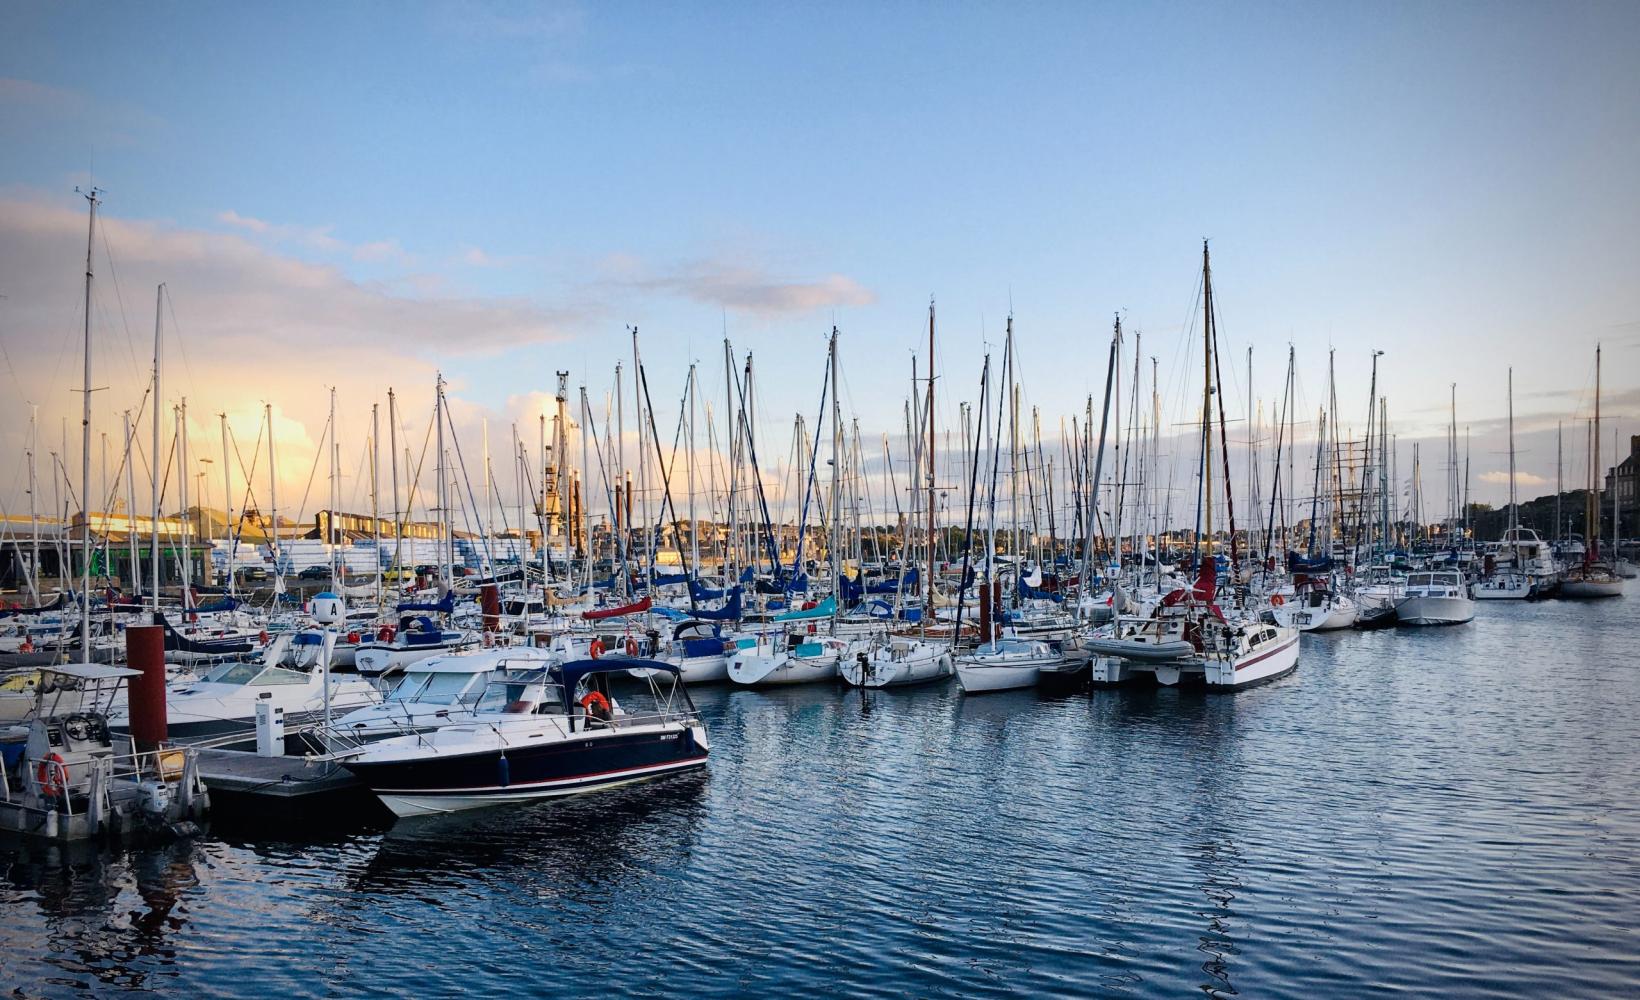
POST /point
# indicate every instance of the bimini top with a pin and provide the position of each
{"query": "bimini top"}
(89, 671)
(572, 672)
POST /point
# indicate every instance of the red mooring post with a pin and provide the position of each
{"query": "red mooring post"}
(996, 611)
(145, 651)
(489, 596)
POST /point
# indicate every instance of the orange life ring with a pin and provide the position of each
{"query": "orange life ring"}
(353, 636)
(27, 646)
(597, 648)
(263, 635)
(384, 634)
(1277, 600)
(51, 774)
(592, 698)
(631, 646)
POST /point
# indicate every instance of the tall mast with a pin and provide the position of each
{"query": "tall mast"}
(1594, 465)
(1560, 485)
(928, 584)
(1514, 513)
(130, 503)
(273, 511)
(446, 531)
(375, 498)
(182, 495)
(227, 500)
(34, 509)
(836, 475)
(331, 537)
(694, 527)
(85, 441)
(1207, 410)
(393, 454)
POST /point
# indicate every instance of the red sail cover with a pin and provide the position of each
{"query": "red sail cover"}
(627, 609)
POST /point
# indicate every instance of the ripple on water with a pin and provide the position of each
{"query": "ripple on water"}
(1444, 811)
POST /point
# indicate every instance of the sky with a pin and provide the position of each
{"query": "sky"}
(364, 195)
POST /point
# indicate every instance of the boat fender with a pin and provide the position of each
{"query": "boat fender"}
(353, 636)
(503, 771)
(812, 629)
(597, 648)
(263, 636)
(50, 774)
(687, 739)
(1277, 600)
(631, 646)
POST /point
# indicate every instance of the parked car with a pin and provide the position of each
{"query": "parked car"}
(314, 573)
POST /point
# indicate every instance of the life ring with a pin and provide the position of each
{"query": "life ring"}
(596, 706)
(597, 648)
(263, 636)
(27, 646)
(51, 774)
(353, 636)
(1277, 600)
(384, 634)
(631, 646)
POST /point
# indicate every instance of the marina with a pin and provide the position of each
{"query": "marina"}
(536, 498)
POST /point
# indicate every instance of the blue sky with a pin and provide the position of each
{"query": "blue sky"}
(1452, 183)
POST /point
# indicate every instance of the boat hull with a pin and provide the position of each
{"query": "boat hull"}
(1255, 668)
(424, 786)
(1435, 611)
(768, 669)
(881, 670)
(1586, 589)
(983, 678)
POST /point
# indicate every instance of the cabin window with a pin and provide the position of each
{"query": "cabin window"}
(274, 676)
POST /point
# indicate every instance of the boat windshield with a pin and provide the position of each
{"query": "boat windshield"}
(436, 689)
(509, 693)
(254, 673)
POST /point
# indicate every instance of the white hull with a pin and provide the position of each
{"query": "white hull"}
(694, 669)
(1254, 667)
(1435, 611)
(979, 678)
(761, 670)
(882, 669)
(382, 660)
(1504, 588)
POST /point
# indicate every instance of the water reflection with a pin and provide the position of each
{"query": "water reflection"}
(105, 915)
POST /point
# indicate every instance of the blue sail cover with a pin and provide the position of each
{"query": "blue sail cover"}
(668, 579)
(701, 593)
(1300, 563)
(1026, 590)
(905, 584)
(730, 612)
(222, 604)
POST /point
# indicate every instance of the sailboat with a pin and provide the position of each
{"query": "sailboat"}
(1521, 547)
(1593, 578)
(1191, 636)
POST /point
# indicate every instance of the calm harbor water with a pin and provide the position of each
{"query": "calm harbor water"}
(1449, 812)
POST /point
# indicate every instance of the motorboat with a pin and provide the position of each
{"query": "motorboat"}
(1435, 597)
(222, 703)
(67, 776)
(1004, 665)
(553, 732)
(896, 661)
(437, 692)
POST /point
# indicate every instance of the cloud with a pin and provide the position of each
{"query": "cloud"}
(244, 324)
(744, 288)
(1501, 478)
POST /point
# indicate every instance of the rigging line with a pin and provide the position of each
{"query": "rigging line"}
(301, 509)
(113, 273)
(468, 516)
(182, 345)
